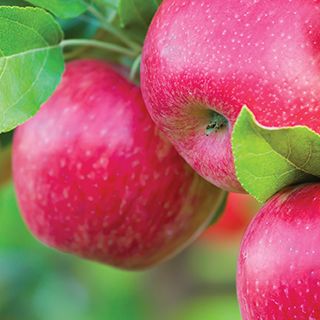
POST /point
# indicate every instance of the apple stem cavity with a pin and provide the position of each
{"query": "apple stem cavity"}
(217, 122)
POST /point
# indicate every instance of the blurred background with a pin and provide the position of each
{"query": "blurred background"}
(39, 283)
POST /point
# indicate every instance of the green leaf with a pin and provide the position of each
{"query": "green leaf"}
(137, 14)
(31, 62)
(108, 9)
(62, 8)
(6, 139)
(269, 159)
(79, 27)
(113, 4)
(20, 3)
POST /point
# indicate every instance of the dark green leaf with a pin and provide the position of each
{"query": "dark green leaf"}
(269, 159)
(62, 8)
(113, 4)
(108, 9)
(136, 15)
(81, 27)
(6, 139)
(20, 3)
(31, 62)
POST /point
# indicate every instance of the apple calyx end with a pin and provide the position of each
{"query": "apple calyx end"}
(217, 122)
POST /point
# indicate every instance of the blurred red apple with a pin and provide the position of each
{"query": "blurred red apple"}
(94, 176)
(239, 210)
(279, 264)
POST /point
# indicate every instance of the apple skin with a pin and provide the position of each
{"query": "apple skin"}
(206, 58)
(239, 210)
(94, 177)
(279, 264)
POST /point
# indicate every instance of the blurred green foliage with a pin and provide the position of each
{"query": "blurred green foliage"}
(220, 308)
(39, 283)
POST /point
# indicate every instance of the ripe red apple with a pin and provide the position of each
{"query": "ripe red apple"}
(239, 210)
(94, 176)
(203, 60)
(279, 264)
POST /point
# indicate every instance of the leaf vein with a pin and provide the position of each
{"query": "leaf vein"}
(308, 158)
(257, 131)
(45, 60)
(4, 68)
(39, 35)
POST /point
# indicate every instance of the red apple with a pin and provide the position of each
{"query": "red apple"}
(203, 60)
(94, 176)
(239, 210)
(279, 263)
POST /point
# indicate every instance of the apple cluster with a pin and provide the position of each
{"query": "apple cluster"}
(202, 62)
(128, 176)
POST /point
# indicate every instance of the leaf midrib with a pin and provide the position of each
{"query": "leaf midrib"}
(282, 156)
(47, 49)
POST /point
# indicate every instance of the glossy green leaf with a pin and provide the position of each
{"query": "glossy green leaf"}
(269, 159)
(62, 8)
(31, 62)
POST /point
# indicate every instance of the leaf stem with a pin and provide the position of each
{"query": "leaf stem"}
(135, 67)
(98, 44)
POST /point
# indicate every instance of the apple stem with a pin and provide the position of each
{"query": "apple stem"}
(216, 123)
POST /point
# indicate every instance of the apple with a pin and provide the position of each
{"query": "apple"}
(239, 210)
(204, 60)
(95, 177)
(279, 264)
